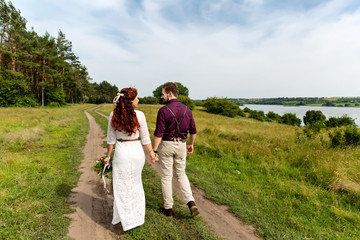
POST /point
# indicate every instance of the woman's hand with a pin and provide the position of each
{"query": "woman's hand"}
(153, 157)
(106, 159)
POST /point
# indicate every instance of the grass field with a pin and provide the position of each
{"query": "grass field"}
(40, 153)
(41, 149)
(272, 176)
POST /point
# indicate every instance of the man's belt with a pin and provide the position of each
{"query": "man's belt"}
(128, 140)
(175, 140)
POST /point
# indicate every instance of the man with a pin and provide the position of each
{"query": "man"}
(173, 123)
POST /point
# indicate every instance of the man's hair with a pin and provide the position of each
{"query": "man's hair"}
(171, 87)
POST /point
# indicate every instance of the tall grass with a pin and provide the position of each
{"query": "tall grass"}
(40, 153)
(289, 186)
(272, 176)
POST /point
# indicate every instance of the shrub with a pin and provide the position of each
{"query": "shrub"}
(148, 100)
(341, 137)
(54, 105)
(312, 116)
(199, 103)
(352, 136)
(53, 95)
(273, 116)
(241, 113)
(247, 110)
(221, 106)
(290, 119)
(187, 101)
(258, 115)
(25, 101)
(336, 138)
(340, 121)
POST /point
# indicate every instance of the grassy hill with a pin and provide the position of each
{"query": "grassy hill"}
(272, 176)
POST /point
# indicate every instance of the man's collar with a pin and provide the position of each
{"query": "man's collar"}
(173, 100)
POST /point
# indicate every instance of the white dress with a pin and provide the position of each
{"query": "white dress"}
(127, 164)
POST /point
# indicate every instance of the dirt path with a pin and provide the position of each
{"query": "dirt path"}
(92, 219)
(224, 223)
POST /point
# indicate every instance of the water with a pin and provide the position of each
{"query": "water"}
(300, 111)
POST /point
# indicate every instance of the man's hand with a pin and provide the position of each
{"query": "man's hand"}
(153, 157)
(190, 149)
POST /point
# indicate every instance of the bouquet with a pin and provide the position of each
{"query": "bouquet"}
(102, 169)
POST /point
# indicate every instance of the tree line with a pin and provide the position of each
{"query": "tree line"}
(299, 101)
(42, 70)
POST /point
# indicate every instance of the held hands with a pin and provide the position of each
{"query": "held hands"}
(153, 157)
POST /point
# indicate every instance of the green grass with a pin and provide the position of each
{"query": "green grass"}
(157, 226)
(40, 153)
(269, 175)
(272, 176)
(290, 188)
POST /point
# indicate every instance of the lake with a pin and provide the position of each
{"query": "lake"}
(300, 111)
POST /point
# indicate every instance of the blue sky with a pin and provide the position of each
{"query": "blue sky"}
(221, 48)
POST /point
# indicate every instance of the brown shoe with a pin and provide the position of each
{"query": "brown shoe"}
(193, 208)
(166, 212)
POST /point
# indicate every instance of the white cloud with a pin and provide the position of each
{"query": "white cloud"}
(262, 54)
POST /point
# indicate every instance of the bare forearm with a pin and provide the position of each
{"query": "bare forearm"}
(192, 139)
(148, 147)
(153, 156)
(157, 141)
(110, 148)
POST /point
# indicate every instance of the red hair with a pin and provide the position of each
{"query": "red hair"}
(124, 117)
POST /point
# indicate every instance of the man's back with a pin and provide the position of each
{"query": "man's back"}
(166, 124)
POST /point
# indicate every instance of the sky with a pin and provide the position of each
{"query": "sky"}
(216, 48)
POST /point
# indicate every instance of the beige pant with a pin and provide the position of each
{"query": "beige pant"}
(173, 155)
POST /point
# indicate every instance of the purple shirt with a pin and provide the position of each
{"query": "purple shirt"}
(166, 125)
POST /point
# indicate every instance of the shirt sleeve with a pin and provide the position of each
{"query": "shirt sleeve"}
(192, 129)
(144, 131)
(111, 132)
(160, 124)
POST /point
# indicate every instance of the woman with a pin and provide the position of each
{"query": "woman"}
(127, 129)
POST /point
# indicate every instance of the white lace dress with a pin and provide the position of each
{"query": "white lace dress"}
(128, 162)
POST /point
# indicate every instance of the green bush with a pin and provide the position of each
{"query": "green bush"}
(54, 105)
(352, 136)
(273, 116)
(25, 101)
(221, 106)
(336, 138)
(187, 101)
(312, 116)
(340, 122)
(258, 115)
(290, 119)
(199, 103)
(342, 137)
(54, 95)
(12, 90)
(148, 100)
(241, 113)
(247, 110)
